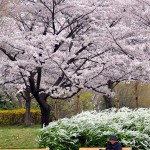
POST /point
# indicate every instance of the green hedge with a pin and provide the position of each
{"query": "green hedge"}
(12, 117)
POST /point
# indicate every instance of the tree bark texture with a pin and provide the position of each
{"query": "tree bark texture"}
(107, 98)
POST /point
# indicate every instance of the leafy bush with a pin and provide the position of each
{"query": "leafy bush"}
(91, 129)
(6, 101)
(11, 117)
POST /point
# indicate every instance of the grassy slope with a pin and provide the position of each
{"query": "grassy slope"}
(18, 137)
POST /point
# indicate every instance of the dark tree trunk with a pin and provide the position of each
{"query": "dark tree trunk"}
(28, 106)
(107, 98)
(40, 96)
(108, 101)
(56, 110)
(45, 108)
(45, 120)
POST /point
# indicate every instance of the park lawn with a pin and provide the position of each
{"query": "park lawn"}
(15, 137)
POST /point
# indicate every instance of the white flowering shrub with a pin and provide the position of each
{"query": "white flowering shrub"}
(91, 129)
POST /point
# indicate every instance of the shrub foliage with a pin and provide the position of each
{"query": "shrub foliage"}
(91, 129)
(11, 117)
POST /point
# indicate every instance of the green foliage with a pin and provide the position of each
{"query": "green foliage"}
(6, 102)
(11, 117)
(91, 129)
(85, 100)
(126, 94)
(68, 108)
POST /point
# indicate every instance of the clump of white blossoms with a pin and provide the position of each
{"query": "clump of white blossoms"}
(91, 129)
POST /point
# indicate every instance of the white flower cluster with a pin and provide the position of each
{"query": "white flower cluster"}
(91, 129)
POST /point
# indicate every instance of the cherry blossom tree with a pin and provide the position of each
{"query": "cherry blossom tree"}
(135, 41)
(50, 48)
(59, 47)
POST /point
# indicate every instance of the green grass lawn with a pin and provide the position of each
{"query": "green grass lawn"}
(18, 137)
